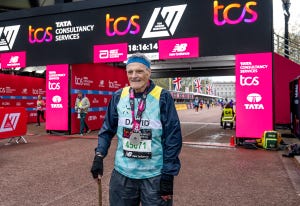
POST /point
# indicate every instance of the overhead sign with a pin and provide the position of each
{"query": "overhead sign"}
(222, 27)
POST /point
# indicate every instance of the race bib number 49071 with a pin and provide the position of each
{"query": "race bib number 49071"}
(142, 150)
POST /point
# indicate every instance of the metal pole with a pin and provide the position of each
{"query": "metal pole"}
(286, 6)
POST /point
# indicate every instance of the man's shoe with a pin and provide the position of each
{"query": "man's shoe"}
(81, 134)
(89, 131)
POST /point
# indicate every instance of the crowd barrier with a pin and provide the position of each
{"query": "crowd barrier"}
(13, 124)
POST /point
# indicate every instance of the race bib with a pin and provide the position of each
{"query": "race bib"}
(142, 150)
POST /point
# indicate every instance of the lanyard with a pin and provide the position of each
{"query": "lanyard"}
(141, 108)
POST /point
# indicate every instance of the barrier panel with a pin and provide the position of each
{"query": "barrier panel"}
(13, 123)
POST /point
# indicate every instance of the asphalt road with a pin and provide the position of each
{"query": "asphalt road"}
(54, 170)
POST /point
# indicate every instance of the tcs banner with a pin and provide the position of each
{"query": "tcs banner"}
(13, 122)
(97, 82)
(254, 91)
(57, 95)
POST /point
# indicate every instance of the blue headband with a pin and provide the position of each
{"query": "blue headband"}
(139, 60)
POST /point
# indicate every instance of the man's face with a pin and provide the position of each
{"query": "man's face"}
(138, 76)
(79, 95)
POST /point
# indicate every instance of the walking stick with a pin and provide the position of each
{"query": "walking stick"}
(100, 190)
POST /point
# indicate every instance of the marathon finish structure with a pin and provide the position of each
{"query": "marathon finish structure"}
(223, 28)
(101, 32)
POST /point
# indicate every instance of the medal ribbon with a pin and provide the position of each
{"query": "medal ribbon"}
(141, 108)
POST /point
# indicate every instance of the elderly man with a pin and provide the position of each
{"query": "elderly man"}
(145, 121)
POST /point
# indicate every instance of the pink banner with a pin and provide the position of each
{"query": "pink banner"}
(110, 53)
(254, 107)
(13, 60)
(178, 48)
(57, 97)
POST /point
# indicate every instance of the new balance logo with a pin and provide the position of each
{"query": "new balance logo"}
(10, 122)
(166, 23)
(8, 36)
(180, 47)
(14, 59)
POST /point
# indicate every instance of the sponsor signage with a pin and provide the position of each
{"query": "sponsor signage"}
(178, 48)
(13, 122)
(13, 60)
(110, 53)
(254, 91)
(8, 36)
(21, 91)
(57, 90)
(97, 82)
(71, 37)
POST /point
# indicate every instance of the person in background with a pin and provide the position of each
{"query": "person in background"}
(82, 106)
(227, 112)
(196, 104)
(40, 107)
(145, 121)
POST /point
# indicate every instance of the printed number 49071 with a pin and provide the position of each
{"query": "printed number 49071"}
(139, 146)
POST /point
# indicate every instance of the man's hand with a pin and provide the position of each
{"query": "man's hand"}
(97, 167)
(166, 186)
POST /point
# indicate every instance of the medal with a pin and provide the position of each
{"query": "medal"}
(135, 138)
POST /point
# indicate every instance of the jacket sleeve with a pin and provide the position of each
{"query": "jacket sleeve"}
(76, 104)
(171, 136)
(110, 125)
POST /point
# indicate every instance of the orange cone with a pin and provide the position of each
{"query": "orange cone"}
(232, 142)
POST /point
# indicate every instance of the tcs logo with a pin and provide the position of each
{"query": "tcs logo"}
(39, 35)
(227, 13)
(53, 85)
(249, 81)
(122, 25)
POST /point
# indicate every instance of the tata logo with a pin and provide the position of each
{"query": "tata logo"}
(122, 25)
(8, 36)
(53, 85)
(225, 13)
(254, 99)
(164, 21)
(9, 122)
(249, 81)
(39, 35)
(56, 106)
(56, 99)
